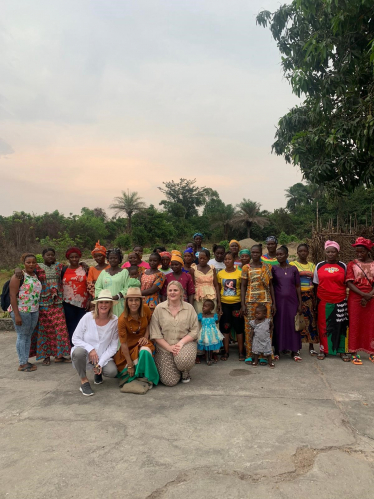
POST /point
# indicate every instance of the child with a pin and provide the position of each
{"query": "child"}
(210, 336)
(133, 272)
(260, 334)
(219, 255)
(165, 263)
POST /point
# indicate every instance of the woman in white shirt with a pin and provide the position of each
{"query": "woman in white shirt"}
(95, 342)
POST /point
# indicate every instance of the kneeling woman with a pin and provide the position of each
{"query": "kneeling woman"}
(174, 326)
(134, 358)
(95, 342)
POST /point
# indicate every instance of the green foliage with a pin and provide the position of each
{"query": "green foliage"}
(285, 239)
(225, 243)
(39, 258)
(184, 195)
(327, 49)
(123, 241)
(151, 226)
(128, 203)
(61, 243)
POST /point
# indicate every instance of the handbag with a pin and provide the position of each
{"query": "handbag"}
(299, 322)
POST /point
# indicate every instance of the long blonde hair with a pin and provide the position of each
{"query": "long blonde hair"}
(179, 286)
(95, 311)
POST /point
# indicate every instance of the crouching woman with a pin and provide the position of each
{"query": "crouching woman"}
(174, 327)
(95, 342)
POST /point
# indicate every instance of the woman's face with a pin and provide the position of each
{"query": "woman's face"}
(331, 254)
(133, 258)
(256, 254)
(245, 259)
(234, 248)
(281, 256)
(176, 267)
(174, 293)
(113, 259)
(188, 258)
(104, 307)
(362, 253)
(134, 304)
(74, 259)
(203, 259)
(153, 262)
(198, 240)
(219, 254)
(165, 262)
(139, 251)
(99, 258)
(49, 257)
(271, 246)
(229, 261)
(303, 252)
(30, 264)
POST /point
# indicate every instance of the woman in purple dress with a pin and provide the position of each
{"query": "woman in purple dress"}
(286, 283)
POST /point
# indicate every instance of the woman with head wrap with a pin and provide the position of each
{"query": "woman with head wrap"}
(115, 279)
(235, 247)
(330, 276)
(165, 262)
(245, 258)
(360, 281)
(98, 254)
(188, 260)
(77, 300)
(184, 279)
(270, 257)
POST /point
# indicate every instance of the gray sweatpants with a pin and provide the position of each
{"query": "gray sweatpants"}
(79, 359)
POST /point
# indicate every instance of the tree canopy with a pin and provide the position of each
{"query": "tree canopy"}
(327, 49)
(184, 194)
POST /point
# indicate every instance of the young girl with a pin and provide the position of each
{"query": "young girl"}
(210, 339)
(245, 258)
(165, 263)
(261, 336)
(188, 259)
(219, 254)
(152, 281)
(205, 280)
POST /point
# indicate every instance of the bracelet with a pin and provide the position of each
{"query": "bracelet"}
(130, 367)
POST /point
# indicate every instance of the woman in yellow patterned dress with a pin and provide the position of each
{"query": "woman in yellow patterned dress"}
(257, 288)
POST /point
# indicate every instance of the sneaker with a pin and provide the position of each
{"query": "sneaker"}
(86, 389)
(186, 378)
(98, 379)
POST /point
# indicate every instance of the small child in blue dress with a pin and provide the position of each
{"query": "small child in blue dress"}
(261, 339)
(210, 339)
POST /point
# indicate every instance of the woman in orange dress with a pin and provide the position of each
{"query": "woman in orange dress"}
(152, 281)
(98, 254)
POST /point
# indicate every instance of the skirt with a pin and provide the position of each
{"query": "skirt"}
(309, 334)
(143, 360)
(333, 327)
(361, 324)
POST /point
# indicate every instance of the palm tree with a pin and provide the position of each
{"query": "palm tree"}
(298, 195)
(249, 214)
(128, 203)
(223, 217)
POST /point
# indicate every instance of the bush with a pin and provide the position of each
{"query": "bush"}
(225, 244)
(284, 239)
(39, 258)
(123, 241)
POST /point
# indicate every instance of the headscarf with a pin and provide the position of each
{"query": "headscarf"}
(198, 234)
(165, 253)
(244, 252)
(366, 243)
(101, 250)
(271, 239)
(177, 258)
(234, 241)
(176, 252)
(332, 244)
(188, 250)
(71, 250)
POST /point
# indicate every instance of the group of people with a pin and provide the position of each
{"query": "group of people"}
(150, 322)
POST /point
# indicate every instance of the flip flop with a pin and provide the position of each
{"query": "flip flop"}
(371, 358)
(346, 357)
(313, 353)
(356, 360)
(46, 362)
(297, 358)
(249, 360)
(62, 360)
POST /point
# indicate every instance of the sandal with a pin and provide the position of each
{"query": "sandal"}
(248, 360)
(59, 360)
(276, 357)
(297, 358)
(346, 357)
(46, 361)
(271, 365)
(321, 356)
(263, 362)
(356, 360)
(225, 356)
(241, 357)
(313, 353)
(197, 360)
(28, 368)
(215, 358)
(371, 357)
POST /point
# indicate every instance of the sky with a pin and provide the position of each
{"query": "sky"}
(103, 96)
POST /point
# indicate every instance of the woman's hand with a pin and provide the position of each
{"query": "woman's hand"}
(93, 357)
(219, 310)
(367, 296)
(131, 371)
(175, 349)
(18, 319)
(142, 341)
(273, 309)
(300, 309)
(98, 369)
(243, 310)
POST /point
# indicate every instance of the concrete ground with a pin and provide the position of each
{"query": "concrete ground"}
(301, 430)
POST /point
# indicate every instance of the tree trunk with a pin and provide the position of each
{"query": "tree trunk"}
(129, 227)
(249, 229)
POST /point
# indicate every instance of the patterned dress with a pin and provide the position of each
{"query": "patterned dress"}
(210, 336)
(149, 280)
(306, 271)
(51, 336)
(204, 288)
(75, 295)
(258, 291)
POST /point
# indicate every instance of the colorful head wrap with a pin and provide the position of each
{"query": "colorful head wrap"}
(366, 243)
(188, 250)
(176, 252)
(234, 241)
(332, 244)
(244, 252)
(198, 234)
(71, 250)
(271, 239)
(98, 249)
(177, 258)
(165, 253)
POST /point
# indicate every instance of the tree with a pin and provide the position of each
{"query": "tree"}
(297, 195)
(185, 193)
(249, 214)
(327, 49)
(128, 203)
(220, 215)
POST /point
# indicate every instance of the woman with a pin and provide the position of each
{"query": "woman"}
(24, 309)
(360, 281)
(219, 255)
(135, 259)
(235, 247)
(115, 279)
(134, 358)
(188, 260)
(271, 256)
(198, 240)
(165, 263)
(245, 258)
(95, 342)
(174, 327)
(77, 300)
(184, 279)
(98, 254)
(257, 287)
(206, 285)
(306, 270)
(287, 292)
(229, 282)
(332, 319)
(152, 281)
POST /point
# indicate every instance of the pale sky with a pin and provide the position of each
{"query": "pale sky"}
(103, 96)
